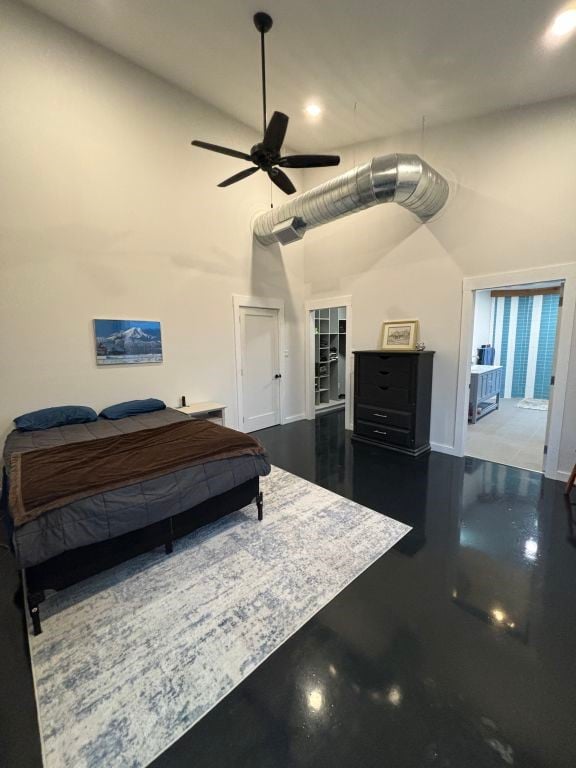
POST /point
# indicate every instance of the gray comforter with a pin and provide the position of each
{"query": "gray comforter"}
(112, 513)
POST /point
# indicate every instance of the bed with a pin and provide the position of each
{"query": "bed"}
(132, 484)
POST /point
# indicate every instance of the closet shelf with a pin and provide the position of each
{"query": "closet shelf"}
(330, 350)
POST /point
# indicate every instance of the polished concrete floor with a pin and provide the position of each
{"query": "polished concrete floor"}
(510, 435)
(455, 649)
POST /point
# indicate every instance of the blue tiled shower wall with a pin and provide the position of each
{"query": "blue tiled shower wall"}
(543, 343)
(546, 344)
(523, 321)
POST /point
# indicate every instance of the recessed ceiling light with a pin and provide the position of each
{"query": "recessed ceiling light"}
(313, 110)
(564, 23)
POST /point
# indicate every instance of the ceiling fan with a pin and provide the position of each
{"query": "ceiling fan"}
(266, 155)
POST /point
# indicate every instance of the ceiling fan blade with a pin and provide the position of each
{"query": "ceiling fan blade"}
(275, 132)
(308, 161)
(222, 150)
(281, 180)
(238, 177)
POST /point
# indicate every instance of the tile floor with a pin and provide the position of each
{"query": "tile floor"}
(510, 435)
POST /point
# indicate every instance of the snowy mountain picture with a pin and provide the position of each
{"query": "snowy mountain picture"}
(127, 341)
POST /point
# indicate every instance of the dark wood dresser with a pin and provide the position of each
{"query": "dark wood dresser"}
(392, 399)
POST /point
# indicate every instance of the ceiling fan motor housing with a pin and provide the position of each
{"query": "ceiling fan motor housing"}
(262, 157)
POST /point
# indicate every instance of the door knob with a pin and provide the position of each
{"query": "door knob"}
(278, 376)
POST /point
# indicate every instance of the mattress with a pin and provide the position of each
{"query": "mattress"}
(112, 513)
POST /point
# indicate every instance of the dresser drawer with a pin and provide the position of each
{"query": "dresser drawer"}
(383, 434)
(392, 370)
(384, 395)
(390, 418)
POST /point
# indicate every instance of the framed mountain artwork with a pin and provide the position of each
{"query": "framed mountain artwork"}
(121, 342)
(399, 334)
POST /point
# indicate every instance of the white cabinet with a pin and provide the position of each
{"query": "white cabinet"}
(215, 412)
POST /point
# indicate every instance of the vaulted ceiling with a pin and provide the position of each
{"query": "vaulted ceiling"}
(375, 66)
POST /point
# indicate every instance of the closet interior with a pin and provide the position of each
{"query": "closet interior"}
(330, 358)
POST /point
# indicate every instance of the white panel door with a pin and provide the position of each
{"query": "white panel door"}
(260, 367)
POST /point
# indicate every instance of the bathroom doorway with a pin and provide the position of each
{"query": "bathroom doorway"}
(512, 373)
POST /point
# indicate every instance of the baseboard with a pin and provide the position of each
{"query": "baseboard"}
(296, 417)
(442, 448)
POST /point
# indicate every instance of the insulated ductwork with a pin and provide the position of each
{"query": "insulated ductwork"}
(403, 179)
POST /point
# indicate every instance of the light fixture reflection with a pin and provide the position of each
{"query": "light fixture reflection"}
(394, 695)
(530, 549)
(498, 615)
(315, 700)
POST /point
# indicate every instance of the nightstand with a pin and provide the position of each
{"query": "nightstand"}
(215, 412)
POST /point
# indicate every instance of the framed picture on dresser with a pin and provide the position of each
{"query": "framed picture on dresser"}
(399, 334)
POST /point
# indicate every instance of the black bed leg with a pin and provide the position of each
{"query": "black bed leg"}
(260, 505)
(169, 545)
(36, 625)
(34, 600)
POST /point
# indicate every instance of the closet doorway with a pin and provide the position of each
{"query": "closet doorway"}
(328, 357)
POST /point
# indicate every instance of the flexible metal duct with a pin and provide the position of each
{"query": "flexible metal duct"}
(403, 179)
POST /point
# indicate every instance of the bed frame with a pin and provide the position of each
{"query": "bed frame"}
(77, 564)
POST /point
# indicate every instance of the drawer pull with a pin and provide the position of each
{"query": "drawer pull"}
(380, 386)
(384, 373)
(379, 432)
(380, 416)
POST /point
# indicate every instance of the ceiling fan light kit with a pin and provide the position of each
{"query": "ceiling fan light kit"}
(266, 155)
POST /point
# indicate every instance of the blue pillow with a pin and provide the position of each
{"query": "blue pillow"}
(132, 408)
(55, 417)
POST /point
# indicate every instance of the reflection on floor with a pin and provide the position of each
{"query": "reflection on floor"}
(454, 649)
(510, 435)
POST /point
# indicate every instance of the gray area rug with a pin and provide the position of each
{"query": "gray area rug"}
(533, 404)
(129, 660)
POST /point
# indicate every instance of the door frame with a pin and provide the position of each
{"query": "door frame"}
(310, 306)
(257, 302)
(564, 272)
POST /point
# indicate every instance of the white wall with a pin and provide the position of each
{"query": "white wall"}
(108, 211)
(513, 208)
(482, 313)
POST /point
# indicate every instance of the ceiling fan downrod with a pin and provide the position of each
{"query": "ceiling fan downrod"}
(263, 23)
